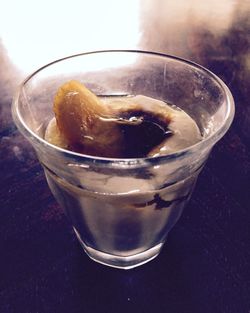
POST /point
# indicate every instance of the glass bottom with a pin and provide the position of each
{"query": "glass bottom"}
(121, 262)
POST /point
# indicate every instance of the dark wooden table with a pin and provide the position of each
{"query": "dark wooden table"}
(205, 264)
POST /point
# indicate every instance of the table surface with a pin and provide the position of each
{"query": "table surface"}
(205, 264)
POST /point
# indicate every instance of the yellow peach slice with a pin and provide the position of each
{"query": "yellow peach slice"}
(85, 121)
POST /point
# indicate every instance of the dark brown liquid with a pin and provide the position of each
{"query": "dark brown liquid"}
(144, 131)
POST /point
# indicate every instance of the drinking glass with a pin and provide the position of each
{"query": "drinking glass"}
(123, 209)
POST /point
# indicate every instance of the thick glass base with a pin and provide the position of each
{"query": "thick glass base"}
(122, 262)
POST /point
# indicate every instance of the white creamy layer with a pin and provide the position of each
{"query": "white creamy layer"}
(185, 130)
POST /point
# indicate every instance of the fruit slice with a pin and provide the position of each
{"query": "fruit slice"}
(85, 121)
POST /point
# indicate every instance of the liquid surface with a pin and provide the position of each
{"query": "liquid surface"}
(143, 127)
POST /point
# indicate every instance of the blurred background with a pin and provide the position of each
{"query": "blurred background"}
(34, 33)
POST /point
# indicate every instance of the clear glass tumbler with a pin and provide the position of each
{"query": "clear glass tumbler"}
(122, 209)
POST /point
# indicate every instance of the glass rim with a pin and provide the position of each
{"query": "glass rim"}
(84, 158)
